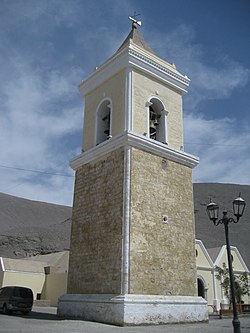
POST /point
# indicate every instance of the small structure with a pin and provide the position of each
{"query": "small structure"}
(208, 285)
(219, 256)
(19, 272)
(46, 275)
(206, 279)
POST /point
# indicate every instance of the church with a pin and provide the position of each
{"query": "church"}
(132, 253)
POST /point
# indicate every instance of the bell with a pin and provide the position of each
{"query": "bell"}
(152, 126)
(106, 132)
(156, 121)
(152, 129)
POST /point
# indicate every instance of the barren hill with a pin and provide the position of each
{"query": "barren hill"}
(30, 227)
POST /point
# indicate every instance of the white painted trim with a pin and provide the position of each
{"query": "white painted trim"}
(136, 141)
(23, 272)
(128, 99)
(158, 70)
(224, 250)
(2, 264)
(135, 57)
(240, 272)
(241, 259)
(215, 291)
(126, 222)
(147, 105)
(165, 115)
(204, 268)
(104, 72)
(212, 270)
(204, 250)
(219, 257)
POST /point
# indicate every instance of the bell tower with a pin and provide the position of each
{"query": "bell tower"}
(132, 255)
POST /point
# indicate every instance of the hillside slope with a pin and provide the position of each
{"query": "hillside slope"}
(30, 227)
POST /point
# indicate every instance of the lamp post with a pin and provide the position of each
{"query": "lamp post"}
(213, 212)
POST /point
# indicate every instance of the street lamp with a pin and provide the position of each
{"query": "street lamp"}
(213, 212)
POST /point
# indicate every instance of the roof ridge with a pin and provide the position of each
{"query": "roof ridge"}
(137, 39)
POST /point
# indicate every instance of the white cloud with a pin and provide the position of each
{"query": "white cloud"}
(214, 80)
(46, 50)
(221, 143)
(224, 153)
(39, 110)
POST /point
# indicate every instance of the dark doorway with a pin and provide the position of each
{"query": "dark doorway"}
(201, 288)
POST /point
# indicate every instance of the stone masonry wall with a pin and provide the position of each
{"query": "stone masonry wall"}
(96, 236)
(162, 256)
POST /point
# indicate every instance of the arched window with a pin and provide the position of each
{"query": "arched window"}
(157, 120)
(103, 122)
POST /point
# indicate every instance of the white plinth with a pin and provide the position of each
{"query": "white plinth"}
(133, 309)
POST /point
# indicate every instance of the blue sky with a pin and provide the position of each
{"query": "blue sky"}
(47, 47)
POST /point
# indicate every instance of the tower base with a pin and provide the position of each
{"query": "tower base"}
(132, 309)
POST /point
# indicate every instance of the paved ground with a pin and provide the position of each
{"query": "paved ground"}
(44, 320)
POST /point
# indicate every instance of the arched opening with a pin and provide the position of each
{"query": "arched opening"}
(103, 122)
(201, 288)
(157, 116)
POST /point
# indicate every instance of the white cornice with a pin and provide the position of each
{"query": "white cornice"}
(137, 141)
(157, 64)
(136, 58)
(205, 268)
(224, 251)
(24, 272)
(206, 254)
(104, 72)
